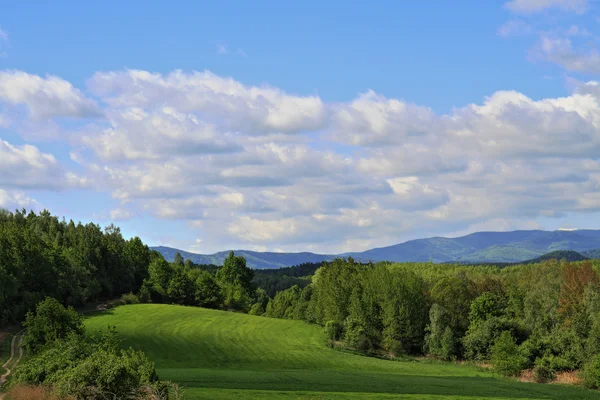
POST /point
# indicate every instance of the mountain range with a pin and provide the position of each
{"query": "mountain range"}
(479, 247)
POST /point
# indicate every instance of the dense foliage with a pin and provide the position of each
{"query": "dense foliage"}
(543, 316)
(228, 287)
(276, 280)
(41, 256)
(62, 357)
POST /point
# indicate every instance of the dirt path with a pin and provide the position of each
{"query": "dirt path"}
(15, 345)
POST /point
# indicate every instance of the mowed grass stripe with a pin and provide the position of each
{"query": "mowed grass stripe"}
(221, 394)
(203, 348)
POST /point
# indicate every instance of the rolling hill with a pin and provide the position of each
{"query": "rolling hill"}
(484, 247)
(224, 355)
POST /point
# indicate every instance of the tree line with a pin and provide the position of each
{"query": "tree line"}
(544, 317)
(42, 256)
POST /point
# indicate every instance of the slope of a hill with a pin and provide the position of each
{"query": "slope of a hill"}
(568, 255)
(593, 253)
(507, 247)
(218, 355)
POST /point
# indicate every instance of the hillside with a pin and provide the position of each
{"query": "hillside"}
(219, 355)
(568, 255)
(506, 247)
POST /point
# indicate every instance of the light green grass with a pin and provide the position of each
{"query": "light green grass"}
(215, 354)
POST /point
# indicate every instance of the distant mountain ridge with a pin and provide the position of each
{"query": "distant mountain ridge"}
(485, 247)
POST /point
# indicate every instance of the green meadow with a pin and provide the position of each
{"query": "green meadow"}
(223, 355)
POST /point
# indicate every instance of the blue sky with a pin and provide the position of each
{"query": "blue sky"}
(321, 126)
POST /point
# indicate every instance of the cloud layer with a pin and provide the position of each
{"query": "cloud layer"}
(261, 168)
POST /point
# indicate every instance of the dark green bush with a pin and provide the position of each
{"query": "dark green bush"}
(542, 373)
(130, 298)
(333, 330)
(506, 357)
(50, 322)
(77, 365)
(591, 373)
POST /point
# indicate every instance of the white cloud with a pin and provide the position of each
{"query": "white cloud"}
(45, 97)
(372, 119)
(515, 28)
(3, 35)
(256, 167)
(120, 214)
(534, 6)
(216, 100)
(27, 167)
(562, 51)
(16, 200)
(134, 134)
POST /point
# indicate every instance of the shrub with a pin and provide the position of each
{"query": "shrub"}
(481, 336)
(50, 322)
(144, 294)
(356, 337)
(591, 373)
(333, 330)
(256, 309)
(130, 298)
(115, 303)
(86, 369)
(506, 357)
(542, 373)
(395, 348)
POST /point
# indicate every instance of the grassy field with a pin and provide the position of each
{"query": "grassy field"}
(222, 355)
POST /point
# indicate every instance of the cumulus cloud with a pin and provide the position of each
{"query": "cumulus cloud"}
(534, 6)
(27, 167)
(372, 119)
(561, 50)
(134, 134)
(223, 101)
(10, 200)
(45, 97)
(256, 167)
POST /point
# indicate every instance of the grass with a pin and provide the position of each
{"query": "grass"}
(219, 355)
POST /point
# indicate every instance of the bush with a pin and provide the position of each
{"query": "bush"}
(256, 309)
(80, 367)
(481, 336)
(542, 374)
(50, 322)
(333, 330)
(144, 294)
(591, 373)
(395, 348)
(356, 336)
(115, 303)
(130, 298)
(506, 357)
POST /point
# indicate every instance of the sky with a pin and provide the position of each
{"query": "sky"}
(302, 126)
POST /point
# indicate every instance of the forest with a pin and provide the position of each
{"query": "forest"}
(542, 317)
